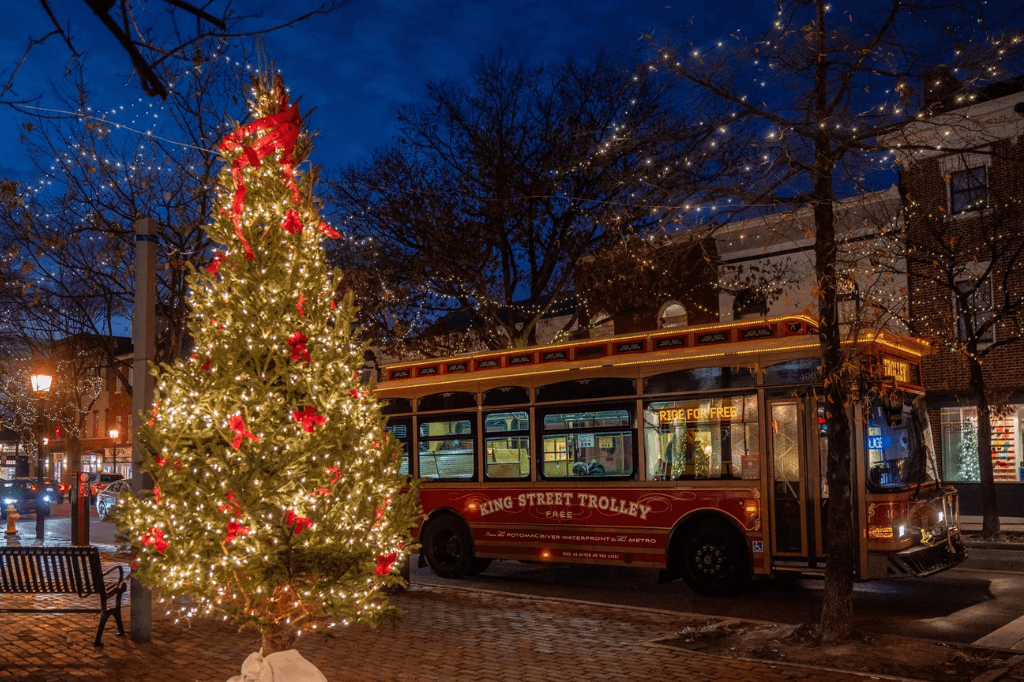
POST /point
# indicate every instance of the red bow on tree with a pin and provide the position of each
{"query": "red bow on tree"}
(297, 342)
(385, 562)
(336, 474)
(300, 523)
(214, 267)
(328, 230)
(282, 133)
(309, 418)
(237, 424)
(155, 539)
(232, 505)
(291, 223)
(298, 306)
(235, 529)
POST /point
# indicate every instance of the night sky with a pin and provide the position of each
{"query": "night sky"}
(354, 64)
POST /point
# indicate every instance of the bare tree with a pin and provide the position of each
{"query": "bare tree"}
(69, 241)
(805, 104)
(969, 291)
(152, 34)
(496, 189)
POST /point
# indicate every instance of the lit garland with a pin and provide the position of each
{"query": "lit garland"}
(278, 500)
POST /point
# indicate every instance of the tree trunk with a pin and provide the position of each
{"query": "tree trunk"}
(989, 506)
(837, 604)
(277, 637)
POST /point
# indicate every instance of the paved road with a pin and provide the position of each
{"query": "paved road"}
(962, 605)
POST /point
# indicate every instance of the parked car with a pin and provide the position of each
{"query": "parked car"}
(109, 496)
(98, 481)
(22, 493)
(54, 490)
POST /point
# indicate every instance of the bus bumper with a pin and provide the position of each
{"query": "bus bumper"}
(925, 560)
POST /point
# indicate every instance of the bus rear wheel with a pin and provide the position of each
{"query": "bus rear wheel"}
(713, 558)
(448, 547)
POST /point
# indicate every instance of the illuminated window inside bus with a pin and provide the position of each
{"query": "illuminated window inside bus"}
(400, 429)
(588, 444)
(703, 439)
(447, 449)
(507, 445)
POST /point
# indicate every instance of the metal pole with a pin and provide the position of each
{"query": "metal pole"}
(144, 340)
(40, 519)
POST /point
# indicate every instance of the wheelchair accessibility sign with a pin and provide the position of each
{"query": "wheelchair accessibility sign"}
(758, 545)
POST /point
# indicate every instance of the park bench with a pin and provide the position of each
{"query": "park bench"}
(62, 570)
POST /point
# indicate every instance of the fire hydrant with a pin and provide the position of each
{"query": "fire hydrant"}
(12, 517)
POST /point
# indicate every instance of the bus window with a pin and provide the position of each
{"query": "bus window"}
(447, 449)
(507, 445)
(701, 439)
(896, 458)
(805, 371)
(400, 429)
(588, 444)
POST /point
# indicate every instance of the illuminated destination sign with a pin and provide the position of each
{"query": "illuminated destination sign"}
(897, 369)
(696, 412)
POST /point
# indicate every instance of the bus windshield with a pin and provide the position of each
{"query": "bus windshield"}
(898, 454)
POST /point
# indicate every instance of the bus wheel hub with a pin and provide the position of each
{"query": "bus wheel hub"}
(709, 558)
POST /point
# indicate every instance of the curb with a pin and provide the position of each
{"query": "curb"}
(989, 544)
(657, 643)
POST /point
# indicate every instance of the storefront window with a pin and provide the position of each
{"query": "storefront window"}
(960, 445)
(701, 439)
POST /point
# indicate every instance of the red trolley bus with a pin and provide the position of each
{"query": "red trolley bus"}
(698, 451)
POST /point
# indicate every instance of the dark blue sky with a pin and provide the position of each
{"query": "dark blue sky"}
(354, 64)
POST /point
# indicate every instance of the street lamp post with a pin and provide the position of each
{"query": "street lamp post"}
(40, 386)
(114, 434)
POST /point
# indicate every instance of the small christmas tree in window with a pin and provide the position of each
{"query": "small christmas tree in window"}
(970, 468)
(278, 502)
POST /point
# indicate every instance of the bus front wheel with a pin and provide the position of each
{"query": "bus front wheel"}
(448, 547)
(713, 558)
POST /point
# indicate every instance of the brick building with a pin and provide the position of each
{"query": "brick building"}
(962, 179)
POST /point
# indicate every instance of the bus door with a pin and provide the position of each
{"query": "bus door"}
(798, 455)
(786, 469)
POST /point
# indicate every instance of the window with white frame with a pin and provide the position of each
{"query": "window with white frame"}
(979, 309)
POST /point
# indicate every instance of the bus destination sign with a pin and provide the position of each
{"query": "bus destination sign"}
(697, 412)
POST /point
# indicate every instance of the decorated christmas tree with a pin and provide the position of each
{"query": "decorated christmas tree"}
(278, 502)
(969, 464)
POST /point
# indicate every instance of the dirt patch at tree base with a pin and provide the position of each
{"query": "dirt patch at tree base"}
(890, 656)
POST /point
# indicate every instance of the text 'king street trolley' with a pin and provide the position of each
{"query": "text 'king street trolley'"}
(697, 451)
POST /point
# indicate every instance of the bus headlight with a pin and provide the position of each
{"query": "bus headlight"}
(901, 530)
(942, 517)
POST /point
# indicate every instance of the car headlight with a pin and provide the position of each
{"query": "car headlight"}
(46, 498)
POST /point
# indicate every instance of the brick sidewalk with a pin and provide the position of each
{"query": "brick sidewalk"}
(448, 635)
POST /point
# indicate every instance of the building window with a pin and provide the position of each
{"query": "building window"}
(672, 314)
(968, 190)
(979, 308)
(960, 445)
(749, 303)
(95, 423)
